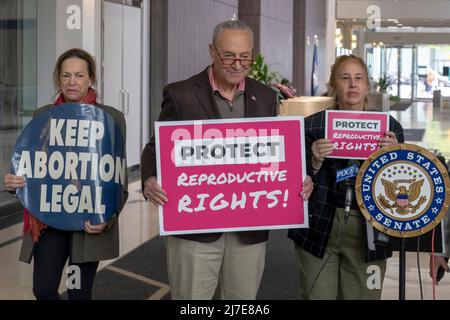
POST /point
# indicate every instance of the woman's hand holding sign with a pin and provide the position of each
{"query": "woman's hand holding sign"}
(320, 149)
(388, 138)
(94, 228)
(12, 182)
(153, 192)
(307, 188)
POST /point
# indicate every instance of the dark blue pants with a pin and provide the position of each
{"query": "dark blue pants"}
(50, 256)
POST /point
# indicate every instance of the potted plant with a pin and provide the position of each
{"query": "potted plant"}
(260, 72)
(384, 86)
(393, 99)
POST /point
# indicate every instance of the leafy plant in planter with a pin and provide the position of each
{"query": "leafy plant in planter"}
(260, 72)
(384, 84)
(394, 99)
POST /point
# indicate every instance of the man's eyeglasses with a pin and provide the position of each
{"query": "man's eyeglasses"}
(229, 60)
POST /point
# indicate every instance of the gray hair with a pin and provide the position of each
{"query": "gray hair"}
(231, 24)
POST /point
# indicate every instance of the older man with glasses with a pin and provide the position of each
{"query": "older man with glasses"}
(221, 265)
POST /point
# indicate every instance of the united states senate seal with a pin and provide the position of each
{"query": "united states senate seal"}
(403, 190)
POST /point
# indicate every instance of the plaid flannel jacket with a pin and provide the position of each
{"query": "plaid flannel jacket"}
(321, 203)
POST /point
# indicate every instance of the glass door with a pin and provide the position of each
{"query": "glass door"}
(392, 62)
(433, 62)
(17, 73)
(414, 71)
(399, 65)
(406, 73)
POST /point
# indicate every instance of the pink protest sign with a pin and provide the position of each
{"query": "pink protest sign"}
(355, 134)
(231, 175)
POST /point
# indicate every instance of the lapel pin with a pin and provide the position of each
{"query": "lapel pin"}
(253, 98)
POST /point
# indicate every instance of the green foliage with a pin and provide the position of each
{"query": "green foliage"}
(384, 84)
(260, 72)
(394, 98)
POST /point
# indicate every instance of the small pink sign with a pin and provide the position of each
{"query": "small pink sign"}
(355, 134)
(231, 175)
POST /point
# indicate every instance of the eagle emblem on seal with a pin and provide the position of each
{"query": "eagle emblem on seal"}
(401, 195)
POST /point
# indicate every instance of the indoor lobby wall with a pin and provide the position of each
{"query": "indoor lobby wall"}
(276, 34)
(310, 19)
(190, 26)
(180, 32)
(54, 35)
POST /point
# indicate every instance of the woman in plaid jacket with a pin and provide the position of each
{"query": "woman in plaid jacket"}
(333, 255)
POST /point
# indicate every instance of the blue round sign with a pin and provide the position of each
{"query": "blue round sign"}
(403, 190)
(73, 160)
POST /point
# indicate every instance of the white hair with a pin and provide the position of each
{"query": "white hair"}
(231, 24)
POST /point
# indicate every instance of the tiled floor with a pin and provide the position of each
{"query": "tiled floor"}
(435, 121)
(139, 223)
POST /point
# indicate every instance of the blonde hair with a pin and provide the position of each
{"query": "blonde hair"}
(333, 77)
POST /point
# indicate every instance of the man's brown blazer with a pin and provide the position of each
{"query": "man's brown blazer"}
(192, 99)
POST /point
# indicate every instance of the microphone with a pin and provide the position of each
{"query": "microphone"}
(348, 200)
(350, 182)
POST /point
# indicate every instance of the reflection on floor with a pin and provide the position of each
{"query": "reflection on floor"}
(142, 274)
(435, 121)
